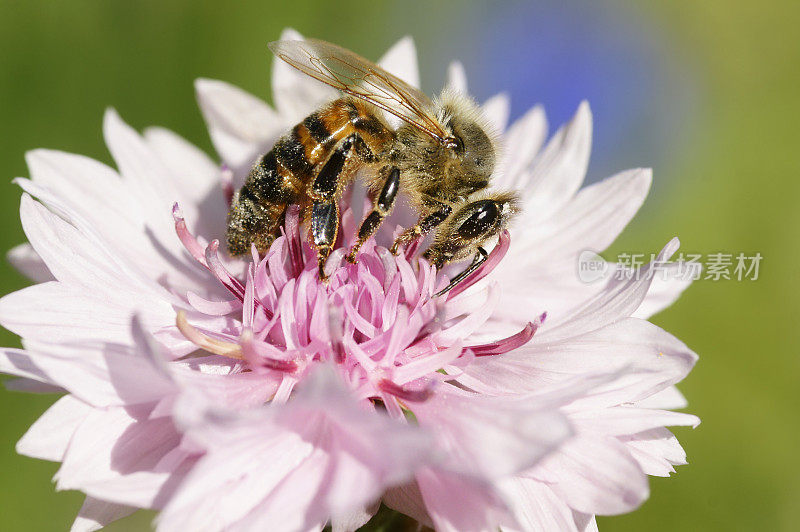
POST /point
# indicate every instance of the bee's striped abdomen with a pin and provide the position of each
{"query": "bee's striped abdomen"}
(280, 177)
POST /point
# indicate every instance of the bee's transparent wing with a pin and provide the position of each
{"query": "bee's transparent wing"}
(361, 78)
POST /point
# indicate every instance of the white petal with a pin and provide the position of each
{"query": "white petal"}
(26, 261)
(461, 504)
(18, 362)
(354, 520)
(648, 358)
(619, 299)
(103, 375)
(591, 221)
(522, 142)
(79, 315)
(401, 60)
(595, 475)
(666, 288)
(624, 420)
(122, 460)
(50, 435)
(491, 437)
(656, 451)
(296, 94)
(669, 399)
(407, 499)
(241, 126)
(496, 109)
(293, 466)
(456, 77)
(558, 171)
(95, 514)
(536, 507)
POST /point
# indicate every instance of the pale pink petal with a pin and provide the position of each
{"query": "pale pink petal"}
(619, 299)
(147, 179)
(18, 362)
(623, 420)
(23, 384)
(27, 262)
(459, 504)
(585, 522)
(522, 143)
(595, 475)
(79, 315)
(124, 460)
(656, 450)
(102, 375)
(497, 109)
(545, 257)
(241, 126)
(456, 77)
(113, 230)
(401, 60)
(69, 255)
(50, 435)
(669, 399)
(354, 520)
(407, 499)
(198, 180)
(296, 95)
(591, 221)
(96, 514)
(491, 437)
(559, 170)
(666, 288)
(536, 507)
(635, 347)
(229, 482)
(253, 472)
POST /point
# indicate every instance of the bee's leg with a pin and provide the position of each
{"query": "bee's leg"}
(381, 208)
(324, 227)
(423, 226)
(324, 209)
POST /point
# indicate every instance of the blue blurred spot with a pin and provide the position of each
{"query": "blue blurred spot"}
(559, 53)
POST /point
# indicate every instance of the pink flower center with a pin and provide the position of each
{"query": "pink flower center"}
(377, 320)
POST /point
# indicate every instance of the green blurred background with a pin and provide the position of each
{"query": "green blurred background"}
(707, 92)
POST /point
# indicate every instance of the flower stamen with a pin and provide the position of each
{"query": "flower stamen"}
(212, 345)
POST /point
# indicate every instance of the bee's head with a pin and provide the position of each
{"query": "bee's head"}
(472, 142)
(470, 226)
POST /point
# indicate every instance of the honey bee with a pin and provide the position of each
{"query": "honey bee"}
(441, 157)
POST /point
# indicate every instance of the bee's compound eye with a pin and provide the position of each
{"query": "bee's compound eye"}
(485, 215)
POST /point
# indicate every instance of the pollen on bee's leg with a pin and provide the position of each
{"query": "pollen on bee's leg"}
(323, 252)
